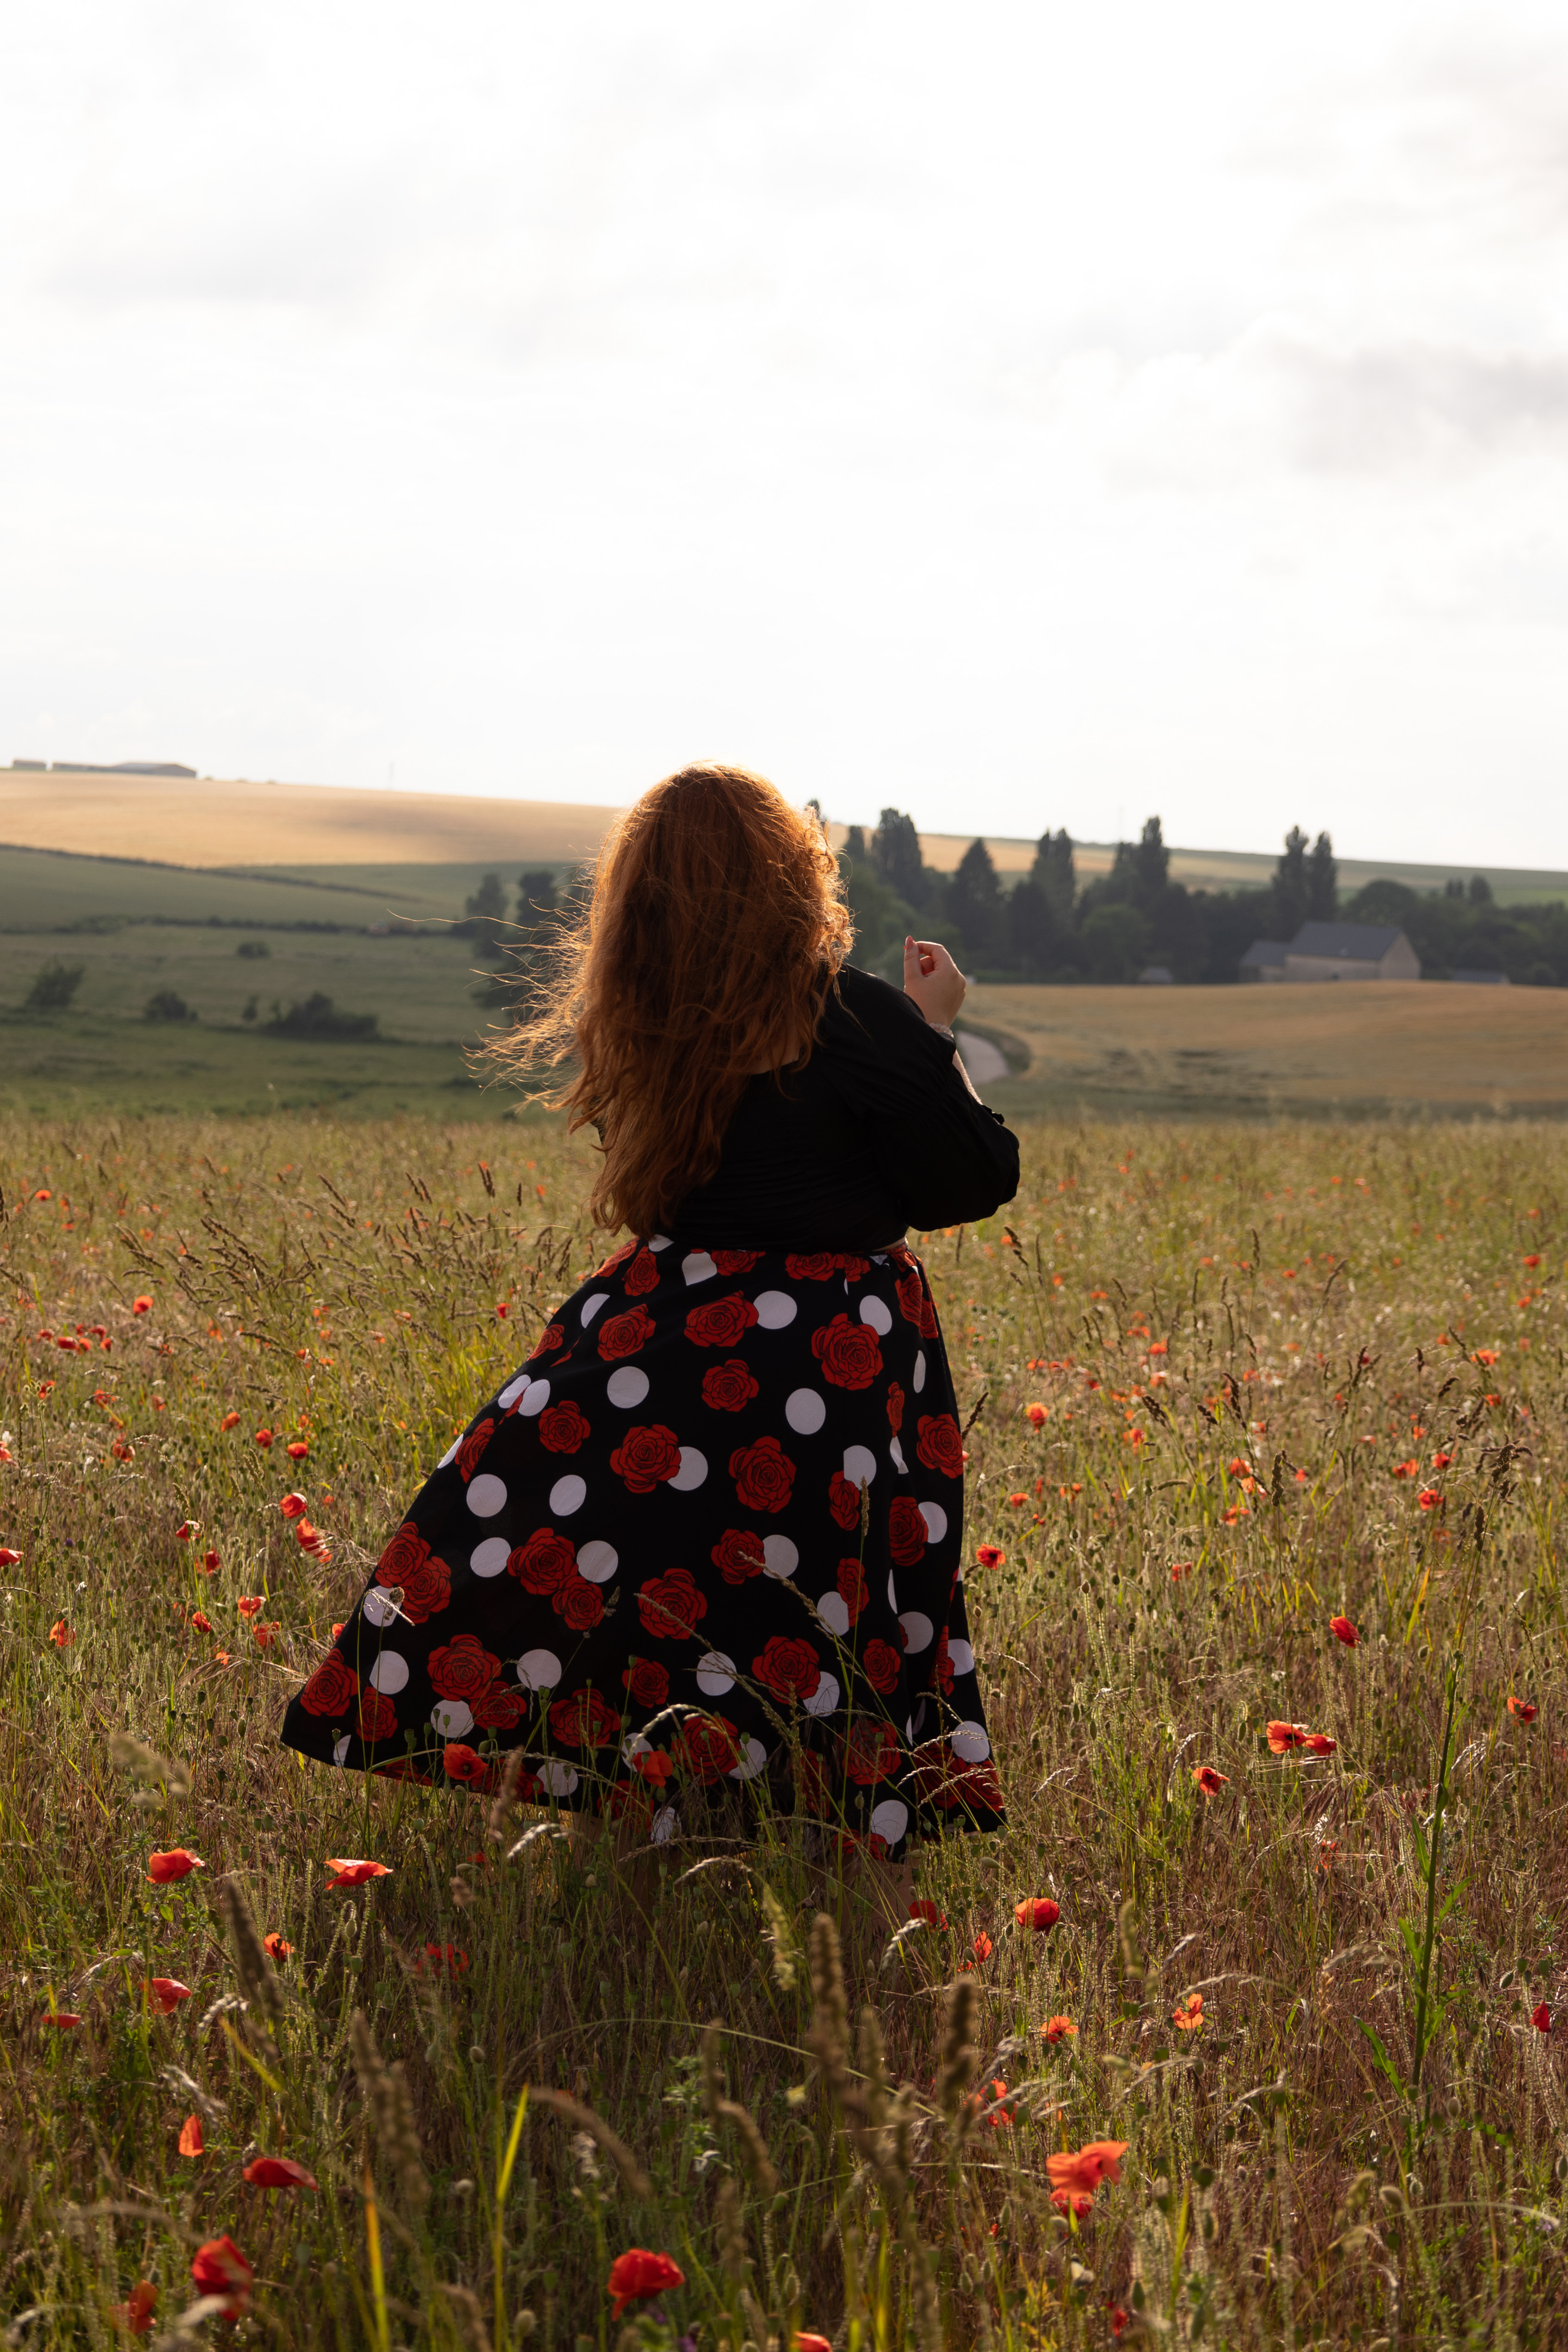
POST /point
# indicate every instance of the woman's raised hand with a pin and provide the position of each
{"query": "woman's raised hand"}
(933, 980)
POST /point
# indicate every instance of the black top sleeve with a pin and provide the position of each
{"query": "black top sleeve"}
(944, 1157)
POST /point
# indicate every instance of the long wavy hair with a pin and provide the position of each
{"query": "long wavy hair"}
(715, 924)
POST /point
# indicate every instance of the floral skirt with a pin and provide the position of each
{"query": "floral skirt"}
(709, 1535)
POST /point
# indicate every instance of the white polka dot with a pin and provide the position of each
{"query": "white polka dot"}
(859, 1464)
(658, 1241)
(889, 1820)
(490, 1557)
(381, 1609)
(666, 1826)
(692, 1472)
(716, 1673)
(919, 1370)
(452, 1718)
(591, 1304)
(635, 1744)
(450, 1455)
(909, 1727)
(895, 1455)
(963, 1657)
(917, 1720)
(970, 1741)
(558, 1778)
(389, 1672)
(875, 1314)
(824, 1698)
(486, 1496)
(833, 1610)
(805, 1411)
(779, 1557)
(535, 1398)
(539, 1670)
(753, 1757)
(598, 1561)
(891, 1593)
(698, 1267)
(917, 1632)
(775, 1310)
(936, 1519)
(340, 1750)
(512, 1391)
(626, 1386)
(567, 1496)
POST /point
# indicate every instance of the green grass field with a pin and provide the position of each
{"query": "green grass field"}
(1229, 1383)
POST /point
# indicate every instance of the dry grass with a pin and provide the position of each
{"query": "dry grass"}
(1236, 1337)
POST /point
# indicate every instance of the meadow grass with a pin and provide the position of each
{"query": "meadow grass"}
(1224, 1385)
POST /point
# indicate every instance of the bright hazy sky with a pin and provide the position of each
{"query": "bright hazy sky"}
(1024, 414)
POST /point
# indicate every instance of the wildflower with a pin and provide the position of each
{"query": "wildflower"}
(264, 1635)
(442, 1959)
(805, 2341)
(1080, 2170)
(1283, 1736)
(1429, 1499)
(293, 1506)
(211, 1563)
(8, 1559)
(1524, 1708)
(983, 1945)
(354, 1873)
(1210, 1780)
(191, 2140)
(1180, 1568)
(1018, 1500)
(654, 1765)
(1121, 2319)
(141, 1306)
(60, 1634)
(1534, 1259)
(135, 2314)
(251, 1604)
(1056, 2028)
(1487, 1356)
(62, 2017)
(1187, 2015)
(202, 1625)
(279, 2172)
(1036, 1416)
(1406, 1469)
(987, 1556)
(264, 1438)
(221, 2269)
(1541, 2017)
(1343, 1631)
(925, 1911)
(177, 1863)
(1037, 1913)
(1318, 1743)
(221, 1657)
(166, 1993)
(637, 2275)
(296, 1449)
(308, 1537)
(229, 1420)
(1237, 1512)
(999, 2117)
(463, 1763)
(1079, 2206)
(273, 1944)
(1442, 1461)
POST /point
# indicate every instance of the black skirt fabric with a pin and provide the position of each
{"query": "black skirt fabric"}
(709, 1535)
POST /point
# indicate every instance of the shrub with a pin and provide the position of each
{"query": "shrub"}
(53, 988)
(319, 1017)
(167, 1005)
(251, 949)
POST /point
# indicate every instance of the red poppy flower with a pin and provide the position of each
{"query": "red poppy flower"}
(805, 2341)
(764, 1475)
(637, 2275)
(464, 1764)
(882, 1664)
(1429, 1499)
(264, 1438)
(624, 1335)
(1343, 1631)
(848, 1353)
(211, 1563)
(924, 1910)
(729, 1387)
(1406, 1469)
(1541, 2017)
(939, 1446)
(645, 1456)
(191, 2140)
(983, 1945)
(1080, 2170)
(652, 1764)
(296, 1449)
(186, 1529)
(987, 1556)
(229, 1420)
(442, 1959)
(1057, 2029)
(165, 1993)
(279, 2172)
(141, 1306)
(1318, 1743)
(1484, 1356)
(843, 1500)
(61, 2017)
(907, 1536)
(647, 1682)
(274, 1945)
(788, 1668)
(177, 1863)
(1283, 1736)
(1036, 1913)
(251, 1604)
(1524, 1708)
(1017, 1501)
(670, 1605)
(1037, 1415)
(220, 2268)
(1187, 2015)
(354, 1873)
(1120, 2317)
(1079, 2206)
(8, 1559)
(1208, 1780)
(60, 1634)
(563, 1427)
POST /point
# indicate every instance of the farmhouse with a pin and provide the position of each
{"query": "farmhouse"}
(1334, 952)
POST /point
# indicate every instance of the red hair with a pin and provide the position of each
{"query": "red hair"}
(715, 924)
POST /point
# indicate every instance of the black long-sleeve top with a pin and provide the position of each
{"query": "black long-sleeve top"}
(876, 1133)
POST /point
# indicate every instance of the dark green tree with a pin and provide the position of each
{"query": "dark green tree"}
(54, 987)
(854, 847)
(1291, 885)
(975, 906)
(1481, 890)
(1053, 877)
(1322, 882)
(536, 907)
(1033, 930)
(895, 853)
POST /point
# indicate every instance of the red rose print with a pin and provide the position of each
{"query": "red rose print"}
(870, 1752)
(708, 1746)
(642, 1275)
(722, 1323)
(737, 1555)
(895, 1407)
(763, 1476)
(562, 1428)
(853, 1268)
(550, 1338)
(622, 1335)
(378, 1717)
(500, 1706)
(426, 1581)
(586, 1719)
(460, 1669)
(544, 1562)
(905, 1530)
(647, 1682)
(852, 1587)
(812, 1780)
(942, 1666)
(817, 1265)
(787, 1668)
(645, 1455)
(625, 1801)
(619, 1257)
(927, 1316)
(882, 1665)
(848, 1353)
(939, 1446)
(330, 1687)
(911, 1293)
(736, 1261)
(473, 1446)
(729, 1387)
(670, 1605)
(580, 1603)
(843, 1500)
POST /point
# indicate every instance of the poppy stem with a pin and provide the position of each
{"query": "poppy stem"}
(1434, 1853)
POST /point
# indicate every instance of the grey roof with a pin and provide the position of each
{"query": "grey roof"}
(1265, 951)
(1367, 942)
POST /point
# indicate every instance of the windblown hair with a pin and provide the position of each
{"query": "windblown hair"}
(715, 924)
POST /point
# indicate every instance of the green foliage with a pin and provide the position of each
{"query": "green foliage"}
(53, 988)
(252, 948)
(318, 1017)
(167, 1005)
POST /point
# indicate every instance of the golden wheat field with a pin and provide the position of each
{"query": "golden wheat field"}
(1245, 2031)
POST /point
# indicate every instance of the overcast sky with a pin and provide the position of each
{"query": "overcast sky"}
(1024, 414)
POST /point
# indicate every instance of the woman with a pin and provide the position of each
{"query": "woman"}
(712, 1530)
